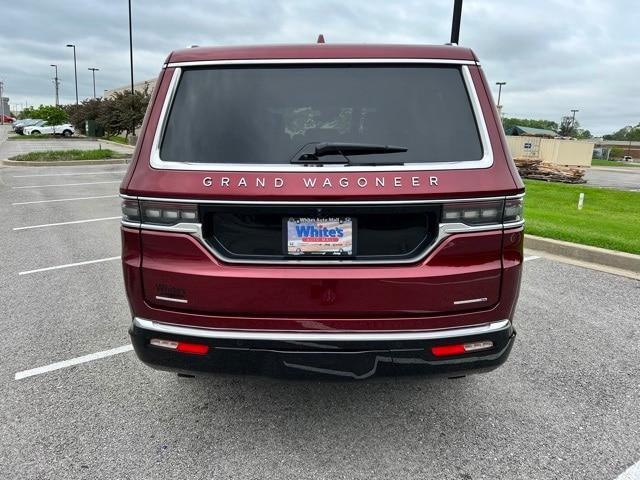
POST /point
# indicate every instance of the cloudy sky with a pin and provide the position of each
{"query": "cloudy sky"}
(554, 55)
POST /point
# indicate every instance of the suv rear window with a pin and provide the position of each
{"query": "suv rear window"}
(267, 115)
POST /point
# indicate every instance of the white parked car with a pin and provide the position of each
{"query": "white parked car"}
(66, 129)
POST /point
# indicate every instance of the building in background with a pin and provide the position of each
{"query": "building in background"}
(150, 84)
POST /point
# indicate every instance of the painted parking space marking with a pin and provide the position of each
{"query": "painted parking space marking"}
(64, 184)
(65, 199)
(532, 257)
(69, 265)
(631, 473)
(74, 222)
(71, 362)
(67, 174)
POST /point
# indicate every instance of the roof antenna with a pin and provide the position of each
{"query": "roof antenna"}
(455, 23)
(320, 38)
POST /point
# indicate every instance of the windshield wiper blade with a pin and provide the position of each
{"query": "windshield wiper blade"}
(332, 148)
(321, 149)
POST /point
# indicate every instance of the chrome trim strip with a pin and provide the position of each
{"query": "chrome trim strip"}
(294, 61)
(485, 162)
(173, 329)
(320, 202)
(168, 299)
(463, 302)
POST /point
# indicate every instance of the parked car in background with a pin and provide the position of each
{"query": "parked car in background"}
(19, 125)
(66, 129)
(627, 158)
(6, 119)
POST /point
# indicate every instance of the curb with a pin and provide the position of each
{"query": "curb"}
(584, 253)
(70, 163)
(133, 147)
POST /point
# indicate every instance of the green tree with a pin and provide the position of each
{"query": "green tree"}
(50, 113)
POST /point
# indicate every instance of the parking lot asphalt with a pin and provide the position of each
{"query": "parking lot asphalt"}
(565, 405)
(614, 177)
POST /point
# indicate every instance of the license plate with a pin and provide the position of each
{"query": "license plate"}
(319, 236)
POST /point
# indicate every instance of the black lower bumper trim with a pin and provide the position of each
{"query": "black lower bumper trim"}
(335, 360)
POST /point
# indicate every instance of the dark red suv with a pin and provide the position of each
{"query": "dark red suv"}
(326, 209)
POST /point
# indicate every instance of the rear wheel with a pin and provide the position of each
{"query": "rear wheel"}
(35, 132)
(67, 133)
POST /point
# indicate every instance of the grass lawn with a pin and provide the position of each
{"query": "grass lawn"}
(607, 163)
(62, 155)
(610, 218)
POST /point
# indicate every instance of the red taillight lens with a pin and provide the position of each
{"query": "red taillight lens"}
(448, 350)
(193, 348)
(460, 348)
(183, 347)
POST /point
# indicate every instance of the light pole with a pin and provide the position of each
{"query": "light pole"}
(93, 71)
(500, 84)
(2, 102)
(75, 68)
(57, 84)
(573, 118)
(133, 121)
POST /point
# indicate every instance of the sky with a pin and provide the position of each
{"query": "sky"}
(554, 55)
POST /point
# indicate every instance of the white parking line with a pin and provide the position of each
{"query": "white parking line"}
(532, 257)
(74, 361)
(64, 199)
(631, 473)
(68, 265)
(66, 223)
(64, 184)
(67, 174)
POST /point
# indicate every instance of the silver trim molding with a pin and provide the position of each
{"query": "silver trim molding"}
(464, 302)
(173, 329)
(293, 61)
(485, 162)
(169, 299)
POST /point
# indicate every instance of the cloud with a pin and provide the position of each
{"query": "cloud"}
(554, 55)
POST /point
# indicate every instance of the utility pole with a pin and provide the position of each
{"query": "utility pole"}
(93, 71)
(57, 85)
(455, 23)
(500, 84)
(133, 120)
(573, 118)
(2, 102)
(75, 68)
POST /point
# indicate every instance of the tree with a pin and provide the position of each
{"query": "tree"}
(625, 133)
(128, 110)
(50, 113)
(507, 123)
(568, 128)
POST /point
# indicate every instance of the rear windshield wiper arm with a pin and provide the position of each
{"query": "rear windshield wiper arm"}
(345, 149)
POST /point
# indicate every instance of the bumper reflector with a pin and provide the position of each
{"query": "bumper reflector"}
(460, 348)
(183, 347)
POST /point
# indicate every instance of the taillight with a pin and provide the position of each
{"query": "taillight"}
(159, 213)
(513, 208)
(460, 348)
(490, 212)
(476, 213)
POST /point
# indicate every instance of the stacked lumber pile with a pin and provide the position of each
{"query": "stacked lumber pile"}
(536, 169)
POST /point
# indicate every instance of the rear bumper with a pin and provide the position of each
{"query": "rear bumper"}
(336, 355)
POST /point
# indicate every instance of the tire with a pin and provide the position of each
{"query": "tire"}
(67, 133)
(35, 132)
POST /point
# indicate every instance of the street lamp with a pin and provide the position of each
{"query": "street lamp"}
(573, 119)
(500, 84)
(57, 84)
(75, 68)
(133, 126)
(93, 72)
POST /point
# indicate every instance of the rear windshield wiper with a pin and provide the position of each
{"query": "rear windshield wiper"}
(322, 149)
